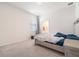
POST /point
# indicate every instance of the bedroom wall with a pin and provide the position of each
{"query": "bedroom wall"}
(76, 10)
(43, 18)
(62, 20)
(76, 18)
(15, 24)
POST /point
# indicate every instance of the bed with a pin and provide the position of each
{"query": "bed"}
(48, 45)
(44, 40)
(55, 42)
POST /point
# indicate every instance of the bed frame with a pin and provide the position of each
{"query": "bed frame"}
(51, 46)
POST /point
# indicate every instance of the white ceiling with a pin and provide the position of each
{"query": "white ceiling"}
(40, 8)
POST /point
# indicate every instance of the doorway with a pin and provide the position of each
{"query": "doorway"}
(45, 26)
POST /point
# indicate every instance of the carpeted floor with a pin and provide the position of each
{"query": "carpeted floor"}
(27, 49)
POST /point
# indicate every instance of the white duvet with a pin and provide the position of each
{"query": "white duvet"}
(48, 37)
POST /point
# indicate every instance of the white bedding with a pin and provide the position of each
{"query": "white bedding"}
(48, 37)
(56, 39)
(43, 36)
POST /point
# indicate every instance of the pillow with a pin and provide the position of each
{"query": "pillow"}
(72, 36)
(58, 34)
(56, 39)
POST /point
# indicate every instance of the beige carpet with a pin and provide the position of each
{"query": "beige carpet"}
(27, 49)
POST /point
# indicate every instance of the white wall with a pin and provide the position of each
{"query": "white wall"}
(76, 10)
(43, 18)
(76, 18)
(15, 24)
(62, 20)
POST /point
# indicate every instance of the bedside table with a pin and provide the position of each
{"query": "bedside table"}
(71, 48)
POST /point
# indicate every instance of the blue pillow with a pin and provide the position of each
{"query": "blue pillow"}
(72, 36)
(58, 34)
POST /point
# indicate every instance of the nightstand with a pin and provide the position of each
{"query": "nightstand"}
(71, 48)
